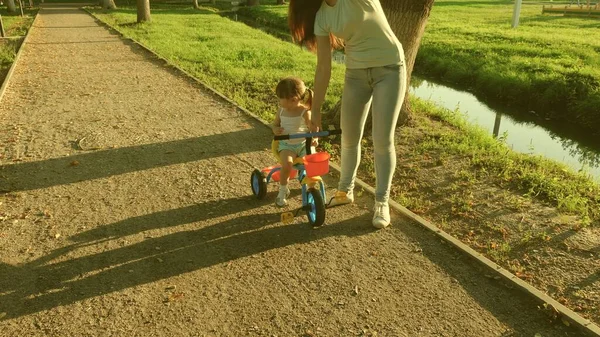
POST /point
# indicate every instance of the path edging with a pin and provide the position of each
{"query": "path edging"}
(14, 64)
(571, 317)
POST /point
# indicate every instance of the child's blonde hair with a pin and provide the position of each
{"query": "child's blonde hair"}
(293, 87)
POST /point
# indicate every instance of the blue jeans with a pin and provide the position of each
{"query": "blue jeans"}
(385, 88)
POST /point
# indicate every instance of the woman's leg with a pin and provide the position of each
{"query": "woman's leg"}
(389, 87)
(356, 100)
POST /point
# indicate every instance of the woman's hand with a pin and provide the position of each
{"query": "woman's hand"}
(315, 123)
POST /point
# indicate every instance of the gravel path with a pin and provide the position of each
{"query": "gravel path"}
(126, 211)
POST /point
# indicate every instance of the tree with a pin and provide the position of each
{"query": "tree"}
(143, 11)
(10, 4)
(196, 6)
(408, 19)
(281, 2)
(109, 4)
(253, 3)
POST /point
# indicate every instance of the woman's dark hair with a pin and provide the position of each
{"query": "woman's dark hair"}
(301, 20)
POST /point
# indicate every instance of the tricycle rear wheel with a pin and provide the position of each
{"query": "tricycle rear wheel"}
(258, 183)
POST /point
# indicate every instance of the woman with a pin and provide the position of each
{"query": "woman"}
(375, 73)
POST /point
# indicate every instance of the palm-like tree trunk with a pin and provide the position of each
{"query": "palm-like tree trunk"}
(196, 6)
(143, 11)
(408, 19)
(109, 4)
(10, 4)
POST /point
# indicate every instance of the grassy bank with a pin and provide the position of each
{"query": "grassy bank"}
(549, 65)
(243, 63)
(508, 206)
(14, 26)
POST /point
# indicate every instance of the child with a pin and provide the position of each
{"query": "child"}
(293, 117)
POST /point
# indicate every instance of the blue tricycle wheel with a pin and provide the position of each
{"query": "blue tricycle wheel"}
(315, 207)
(258, 183)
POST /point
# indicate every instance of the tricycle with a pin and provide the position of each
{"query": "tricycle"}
(308, 170)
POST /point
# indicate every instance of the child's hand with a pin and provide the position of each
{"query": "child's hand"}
(277, 130)
(315, 142)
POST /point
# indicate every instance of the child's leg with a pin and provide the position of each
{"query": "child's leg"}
(287, 158)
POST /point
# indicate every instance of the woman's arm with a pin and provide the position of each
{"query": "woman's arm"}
(322, 77)
(308, 121)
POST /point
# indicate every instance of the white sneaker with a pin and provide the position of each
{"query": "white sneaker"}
(381, 218)
(281, 199)
(341, 198)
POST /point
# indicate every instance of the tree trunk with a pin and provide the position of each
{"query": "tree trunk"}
(408, 19)
(253, 3)
(196, 6)
(10, 4)
(109, 4)
(2, 32)
(281, 2)
(143, 11)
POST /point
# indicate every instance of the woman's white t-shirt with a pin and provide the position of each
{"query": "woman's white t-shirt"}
(370, 41)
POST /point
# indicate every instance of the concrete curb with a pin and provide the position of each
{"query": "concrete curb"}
(14, 64)
(586, 326)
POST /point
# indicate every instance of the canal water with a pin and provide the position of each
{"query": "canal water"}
(523, 137)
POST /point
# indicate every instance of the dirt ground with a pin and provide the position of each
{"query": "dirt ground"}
(126, 211)
(553, 251)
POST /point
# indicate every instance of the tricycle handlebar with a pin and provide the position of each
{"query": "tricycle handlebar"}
(309, 135)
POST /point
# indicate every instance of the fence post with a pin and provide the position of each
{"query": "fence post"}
(516, 13)
(235, 8)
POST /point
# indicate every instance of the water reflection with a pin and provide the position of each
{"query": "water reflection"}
(521, 137)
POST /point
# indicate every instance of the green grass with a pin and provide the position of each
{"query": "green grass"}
(570, 192)
(550, 64)
(14, 26)
(245, 64)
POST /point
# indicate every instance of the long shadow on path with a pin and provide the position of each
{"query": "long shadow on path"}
(106, 163)
(36, 286)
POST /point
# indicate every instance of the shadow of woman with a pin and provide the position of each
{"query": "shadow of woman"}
(36, 287)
